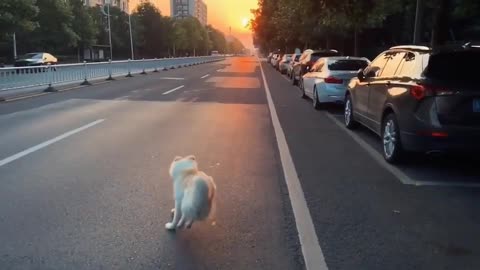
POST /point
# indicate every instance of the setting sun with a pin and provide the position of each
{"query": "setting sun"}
(245, 22)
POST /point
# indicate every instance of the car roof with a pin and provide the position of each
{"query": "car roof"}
(345, 58)
(411, 47)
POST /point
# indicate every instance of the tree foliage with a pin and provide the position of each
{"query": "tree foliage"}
(66, 27)
(360, 25)
(17, 16)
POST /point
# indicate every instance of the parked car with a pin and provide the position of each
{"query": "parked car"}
(275, 60)
(284, 62)
(36, 59)
(274, 56)
(419, 100)
(328, 78)
(295, 59)
(269, 57)
(307, 59)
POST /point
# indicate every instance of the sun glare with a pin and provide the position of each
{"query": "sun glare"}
(245, 22)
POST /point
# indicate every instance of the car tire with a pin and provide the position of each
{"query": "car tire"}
(349, 119)
(392, 149)
(302, 89)
(294, 80)
(316, 103)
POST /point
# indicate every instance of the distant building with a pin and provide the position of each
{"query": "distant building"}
(186, 8)
(122, 4)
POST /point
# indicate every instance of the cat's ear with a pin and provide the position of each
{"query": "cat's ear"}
(177, 158)
(192, 157)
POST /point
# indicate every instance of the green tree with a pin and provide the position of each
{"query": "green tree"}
(217, 40)
(55, 32)
(17, 16)
(83, 25)
(235, 46)
(152, 30)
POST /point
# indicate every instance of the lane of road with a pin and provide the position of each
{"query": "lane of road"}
(365, 217)
(99, 198)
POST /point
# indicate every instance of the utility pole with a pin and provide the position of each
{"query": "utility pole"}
(14, 46)
(109, 32)
(417, 33)
(131, 35)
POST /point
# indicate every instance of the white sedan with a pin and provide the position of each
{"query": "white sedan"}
(327, 80)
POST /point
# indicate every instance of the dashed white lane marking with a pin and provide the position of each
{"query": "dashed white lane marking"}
(311, 250)
(285, 78)
(402, 177)
(47, 143)
(172, 78)
(219, 70)
(204, 76)
(122, 98)
(173, 90)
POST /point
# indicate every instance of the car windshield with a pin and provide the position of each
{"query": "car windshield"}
(347, 64)
(454, 67)
(31, 56)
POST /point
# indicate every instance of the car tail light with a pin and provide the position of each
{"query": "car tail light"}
(436, 134)
(333, 80)
(420, 91)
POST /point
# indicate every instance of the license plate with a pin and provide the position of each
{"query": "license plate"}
(476, 105)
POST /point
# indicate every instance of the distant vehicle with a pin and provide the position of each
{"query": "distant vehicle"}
(284, 62)
(36, 59)
(419, 100)
(293, 62)
(307, 59)
(215, 53)
(328, 79)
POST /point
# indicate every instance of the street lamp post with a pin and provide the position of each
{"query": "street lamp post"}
(14, 46)
(107, 3)
(418, 22)
(109, 32)
(131, 34)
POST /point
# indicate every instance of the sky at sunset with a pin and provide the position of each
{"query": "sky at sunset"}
(222, 14)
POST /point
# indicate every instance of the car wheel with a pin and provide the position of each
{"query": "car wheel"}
(294, 80)
(302, 88)
(350, 122)
(392, 146)
(316, 103)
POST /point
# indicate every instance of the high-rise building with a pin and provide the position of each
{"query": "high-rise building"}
(186, 8)
(122, 4)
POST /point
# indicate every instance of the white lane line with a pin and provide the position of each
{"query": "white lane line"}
(47, 143)
(122, 98)
(374, 154)
(219, 70)
(172, 78)
(173, 90)
(286, 79)
(402, 177)
(311, 250)
(204, 76)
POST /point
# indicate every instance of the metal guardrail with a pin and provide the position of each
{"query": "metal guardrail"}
(12, 78)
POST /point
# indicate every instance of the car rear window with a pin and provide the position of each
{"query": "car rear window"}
(318, 55)
(454, 67)
(347, 64)
(297, 57)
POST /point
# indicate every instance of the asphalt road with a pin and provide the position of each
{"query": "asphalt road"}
(84, 182)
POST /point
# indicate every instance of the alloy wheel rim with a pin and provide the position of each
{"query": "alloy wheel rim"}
(348, 112)
(389, 138)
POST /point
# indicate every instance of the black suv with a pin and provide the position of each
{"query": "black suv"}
(419, 100)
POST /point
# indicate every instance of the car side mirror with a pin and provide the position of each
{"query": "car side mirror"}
(361, 75)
